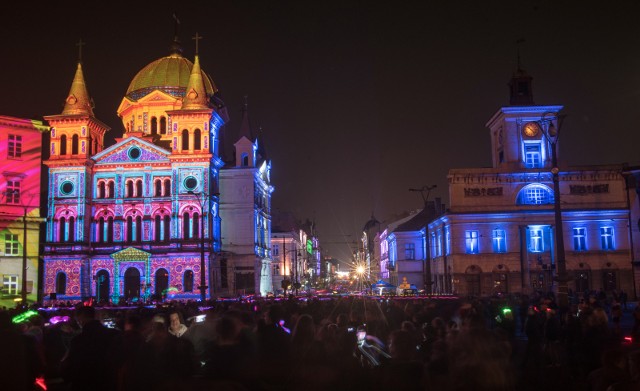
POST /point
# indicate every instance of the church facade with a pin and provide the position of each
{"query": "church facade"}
(140, 219)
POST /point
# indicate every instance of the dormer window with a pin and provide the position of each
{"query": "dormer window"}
(245, 160)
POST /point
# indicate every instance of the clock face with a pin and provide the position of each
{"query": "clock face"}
(531, 129)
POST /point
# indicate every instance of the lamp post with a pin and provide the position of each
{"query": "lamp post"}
(551, 134)
(203, 277)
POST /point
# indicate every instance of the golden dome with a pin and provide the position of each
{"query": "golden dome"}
(169, 74)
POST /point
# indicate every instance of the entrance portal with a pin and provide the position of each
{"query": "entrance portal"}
(102, 286)
(131, 283)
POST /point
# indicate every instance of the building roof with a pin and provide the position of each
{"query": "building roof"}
(169, 74)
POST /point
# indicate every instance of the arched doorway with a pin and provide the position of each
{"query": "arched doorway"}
(500, 279)
(472, 277)
(131, 283)
(103, 286)
(162, 282)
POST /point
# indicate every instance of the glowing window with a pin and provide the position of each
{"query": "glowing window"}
(471, 241)
(499, 241)
(535, 194)
(536, 244)
(11, 244)
(532, 155)
(606, 238)
(447, 241)
(10, 283)
(15, 147)
(433, 245)
(579, 239)
(410, 251)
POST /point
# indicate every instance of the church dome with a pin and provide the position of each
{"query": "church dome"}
(168, 74)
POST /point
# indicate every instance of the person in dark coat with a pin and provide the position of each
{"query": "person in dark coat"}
(87, 365)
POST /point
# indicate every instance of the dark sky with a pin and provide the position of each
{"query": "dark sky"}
(358, 102)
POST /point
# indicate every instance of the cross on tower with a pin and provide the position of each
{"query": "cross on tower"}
(197, 37)
(80, 44)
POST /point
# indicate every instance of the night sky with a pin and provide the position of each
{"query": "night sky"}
(358, 103)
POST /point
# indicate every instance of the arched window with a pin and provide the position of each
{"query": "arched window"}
(139, 188)
(63, 144)
(154, 125)
(185, 140)
(72, 229)
(156, 229)
(163, 125)
(111, 189)
(110, 229)
(129, 189)
(197, 140)
(245, 160)
(61, 283)
(138, 229)
(157, 188)
(535, 194)
(129, 229)
(167, 187)
(167, 229)
(100, 230)
(188, 281)
(195, 230)
(74, 144)
(101, 189)
(62, 226)
(185, 226)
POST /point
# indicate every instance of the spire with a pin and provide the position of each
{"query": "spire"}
(520, 92)
(196, 96)
(176, 47)
(78, 100)
(262, 151)
(245, 126)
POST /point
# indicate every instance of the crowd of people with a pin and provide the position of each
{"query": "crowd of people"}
(344, 343)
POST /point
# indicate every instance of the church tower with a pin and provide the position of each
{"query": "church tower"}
(75, 136)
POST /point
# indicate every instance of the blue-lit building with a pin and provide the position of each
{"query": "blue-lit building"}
(498, 232)
(245, 182)
(142, 217)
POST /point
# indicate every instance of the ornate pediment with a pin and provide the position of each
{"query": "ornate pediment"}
(131, 254)
(132, 150)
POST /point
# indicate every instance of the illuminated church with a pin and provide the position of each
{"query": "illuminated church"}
(142, 218)
(498, 234)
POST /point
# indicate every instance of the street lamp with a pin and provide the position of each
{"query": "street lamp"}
(203, 279)
(551, 134)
